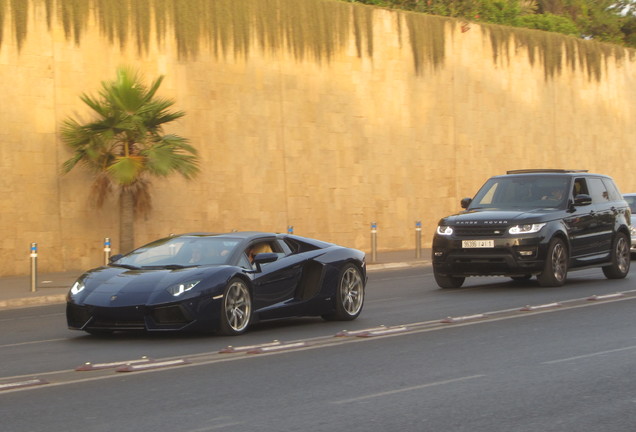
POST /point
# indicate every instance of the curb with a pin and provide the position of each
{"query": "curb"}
(395, 266)
(25, 302)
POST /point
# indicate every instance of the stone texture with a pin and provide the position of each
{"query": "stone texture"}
(327, 147)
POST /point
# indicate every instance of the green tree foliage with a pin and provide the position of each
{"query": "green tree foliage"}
(611, 21)
(548, 22)
(124, 146)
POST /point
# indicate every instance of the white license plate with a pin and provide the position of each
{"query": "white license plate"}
(478, 243)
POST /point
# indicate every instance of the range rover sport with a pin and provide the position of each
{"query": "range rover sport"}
(540, 223)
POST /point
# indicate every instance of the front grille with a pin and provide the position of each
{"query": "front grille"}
(118, 325)
(77, 316)
(123, 318)
(169, 315)
(479, 231)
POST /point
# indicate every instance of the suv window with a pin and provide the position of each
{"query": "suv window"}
(614, 193)
(598, 192)
(580, 187)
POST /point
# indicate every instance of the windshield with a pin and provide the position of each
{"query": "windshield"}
(178, 252)
(520, 192)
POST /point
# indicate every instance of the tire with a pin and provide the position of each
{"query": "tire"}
(621, 258)
(445, 281)
(236, 311)
(349, 295)
(555, 269)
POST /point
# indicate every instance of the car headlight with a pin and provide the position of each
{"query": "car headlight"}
(178, 289)
(444, 230)
(77, 287)
(525, 229)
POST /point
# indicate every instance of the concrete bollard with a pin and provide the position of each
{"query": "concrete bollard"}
(374, 242)
(34, 267)
(418, 239)
(106, 250)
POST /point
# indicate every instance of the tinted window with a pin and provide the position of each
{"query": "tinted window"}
(614, 193)
(522, 192)
(598, 192)
(580, 187)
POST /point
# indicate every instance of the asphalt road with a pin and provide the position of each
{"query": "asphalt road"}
(491, 356)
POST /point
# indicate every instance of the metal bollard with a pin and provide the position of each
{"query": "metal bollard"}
(418, 239)
(290, 229)
(106, 250)
(34, 266)
(374, 242)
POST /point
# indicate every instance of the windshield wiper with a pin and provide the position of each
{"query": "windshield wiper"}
(167, 267)
(128, 266)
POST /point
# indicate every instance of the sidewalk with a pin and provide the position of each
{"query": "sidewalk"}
(51, 288)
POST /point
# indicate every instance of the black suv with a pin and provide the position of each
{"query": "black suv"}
(535, 222)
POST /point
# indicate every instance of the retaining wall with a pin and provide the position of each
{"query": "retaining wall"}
(374, 131)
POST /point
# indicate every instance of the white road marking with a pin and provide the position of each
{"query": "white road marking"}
(32, 342)
(215, 427)
(590, 355)
(406, 389)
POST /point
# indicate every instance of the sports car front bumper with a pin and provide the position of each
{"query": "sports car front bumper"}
(161, 318)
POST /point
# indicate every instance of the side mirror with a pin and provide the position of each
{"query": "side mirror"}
(114, 258)
(264, 258)
(465, 202)
(582, 200)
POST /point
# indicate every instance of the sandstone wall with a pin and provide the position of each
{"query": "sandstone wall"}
(325, 145)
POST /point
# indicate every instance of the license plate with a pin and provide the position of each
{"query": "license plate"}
(478, 243)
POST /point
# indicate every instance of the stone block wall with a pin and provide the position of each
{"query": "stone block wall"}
(325, 145)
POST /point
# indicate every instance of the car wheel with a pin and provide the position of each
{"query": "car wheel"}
(555, 269)
(236, 312)
(621, 258)
(445, 281)
(349, 295)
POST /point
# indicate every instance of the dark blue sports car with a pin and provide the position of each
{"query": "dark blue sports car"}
(221, 282)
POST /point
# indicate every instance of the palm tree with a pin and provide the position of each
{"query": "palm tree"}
(124, 146)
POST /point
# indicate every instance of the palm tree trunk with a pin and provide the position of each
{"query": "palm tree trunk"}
(126, 221)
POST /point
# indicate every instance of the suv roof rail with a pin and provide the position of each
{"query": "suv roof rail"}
(525, 171)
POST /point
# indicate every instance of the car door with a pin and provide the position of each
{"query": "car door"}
(275, 282)
(582, 225)
(605, 213)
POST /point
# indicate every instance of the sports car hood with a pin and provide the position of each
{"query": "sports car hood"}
(499, 217)
(116, 286)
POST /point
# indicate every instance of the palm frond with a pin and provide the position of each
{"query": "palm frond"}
(124, 141)
(125, 169)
